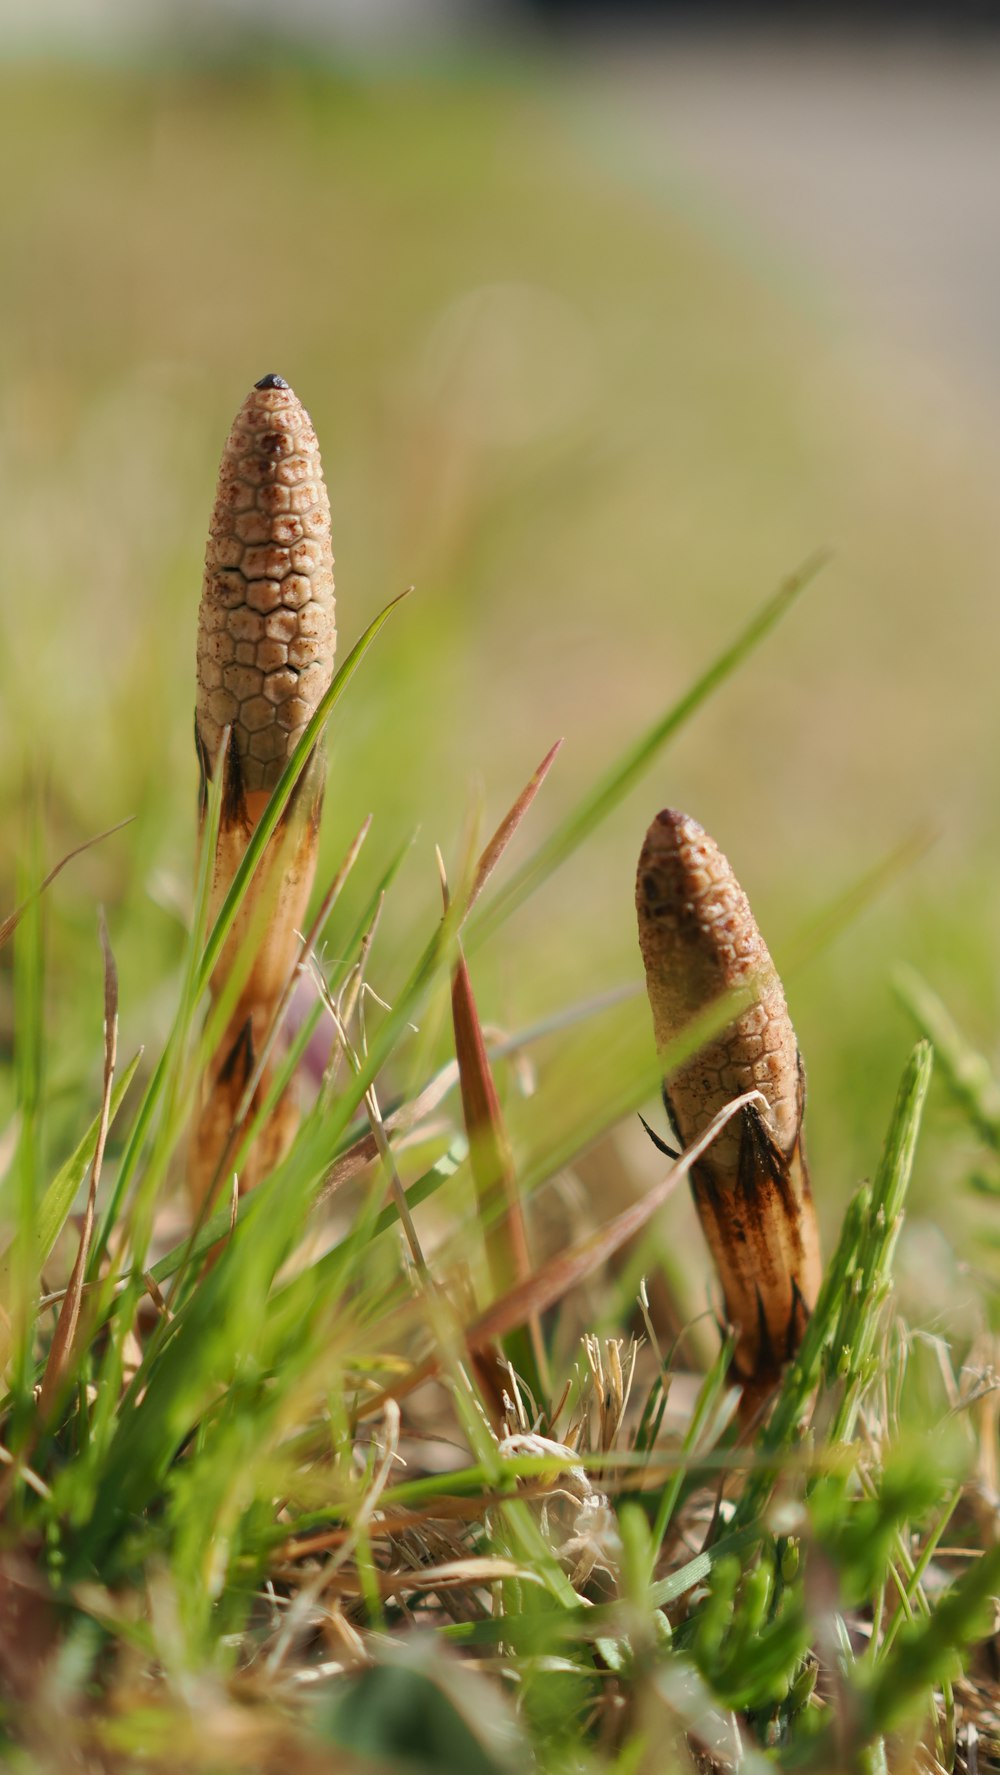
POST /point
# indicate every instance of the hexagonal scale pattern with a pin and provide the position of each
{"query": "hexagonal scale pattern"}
(266, 627)
(699, 940)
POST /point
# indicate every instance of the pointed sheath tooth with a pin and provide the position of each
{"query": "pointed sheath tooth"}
(699, 941)
(266, 627)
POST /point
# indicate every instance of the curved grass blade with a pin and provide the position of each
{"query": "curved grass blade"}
(967, 1073)
(9, 924)
(596, 806)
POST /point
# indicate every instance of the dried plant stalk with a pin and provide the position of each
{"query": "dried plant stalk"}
(699, 943)
(266, 644)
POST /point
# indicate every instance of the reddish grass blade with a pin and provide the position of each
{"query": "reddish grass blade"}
(508, 826)
(501, 1212)
(499, 1205)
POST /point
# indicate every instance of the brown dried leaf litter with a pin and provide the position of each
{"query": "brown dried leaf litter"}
(700, 943)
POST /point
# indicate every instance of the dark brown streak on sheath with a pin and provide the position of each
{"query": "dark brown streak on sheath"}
(204, 772)
(234, 801)
(238, 1064)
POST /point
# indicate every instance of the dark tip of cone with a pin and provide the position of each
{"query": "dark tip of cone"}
(271, 381)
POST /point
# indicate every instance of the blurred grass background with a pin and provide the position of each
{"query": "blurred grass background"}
(594, 435)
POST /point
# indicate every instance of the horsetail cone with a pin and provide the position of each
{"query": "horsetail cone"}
(266, 643)
(266, 628)
(700, 942)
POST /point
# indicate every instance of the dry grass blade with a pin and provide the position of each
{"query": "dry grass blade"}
(554, 1279)
(508, 826)
(699, 941)
(9, 924)
(365, 1150)
(455, 1574)
(63, 1341)
(266, 641)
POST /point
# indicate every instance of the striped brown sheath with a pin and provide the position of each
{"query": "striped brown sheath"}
(266, 644)
(699, 941)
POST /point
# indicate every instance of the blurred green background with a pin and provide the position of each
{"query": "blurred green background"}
(594, 430)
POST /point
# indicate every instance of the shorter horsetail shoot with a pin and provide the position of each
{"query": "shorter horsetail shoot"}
(700, 945)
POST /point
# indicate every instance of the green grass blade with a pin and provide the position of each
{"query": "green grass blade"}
(600, 802)
(967, 1074)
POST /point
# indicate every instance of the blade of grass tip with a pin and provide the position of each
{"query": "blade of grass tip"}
(494, 850)
(9, 924)
(61, 1349)
(968, 1074)
(824, 930)
(492, 1164)
(851, 1358)
(501, 1213)
(61, 1193)
(892, 1178)
(596, 806)
(491, 1161)
(282, 791)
